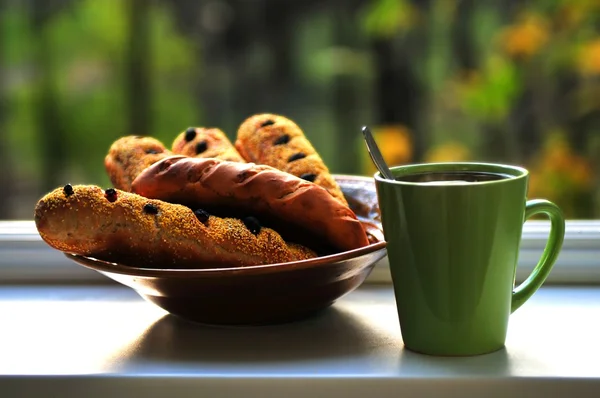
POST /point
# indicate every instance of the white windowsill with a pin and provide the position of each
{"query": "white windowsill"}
(105, 341)
(25, 258)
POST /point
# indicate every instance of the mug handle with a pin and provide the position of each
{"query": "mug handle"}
(557, 234)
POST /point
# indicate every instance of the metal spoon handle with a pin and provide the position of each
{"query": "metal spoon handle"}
(375, 154)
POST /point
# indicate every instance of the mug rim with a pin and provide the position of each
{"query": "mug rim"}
(516, 172)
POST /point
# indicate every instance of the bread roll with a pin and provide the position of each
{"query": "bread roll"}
(129, 155)
(278, 142)
(118, 226)
(205, 143)
(301, 211)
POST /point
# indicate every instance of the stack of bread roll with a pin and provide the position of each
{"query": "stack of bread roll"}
(206, 202)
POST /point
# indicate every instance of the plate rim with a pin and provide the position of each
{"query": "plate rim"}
(116, 268)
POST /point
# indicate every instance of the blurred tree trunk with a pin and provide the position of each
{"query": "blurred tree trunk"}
(6, 173)
(50, 132)
(234, 82)
(524, 124)
(249, 85)
(189, 21)
(345, 93)
(397, 92)
(462, 32)
(212, 85)
(137, 78)
(278, 21)
(219, 35)
(581, 125)
(494, 143)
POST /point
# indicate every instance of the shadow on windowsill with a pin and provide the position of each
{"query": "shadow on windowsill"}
(333, 333)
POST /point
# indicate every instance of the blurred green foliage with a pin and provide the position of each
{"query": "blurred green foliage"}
(493, 80)
(504, 81)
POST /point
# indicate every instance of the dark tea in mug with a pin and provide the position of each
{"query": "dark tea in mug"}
(452, 177)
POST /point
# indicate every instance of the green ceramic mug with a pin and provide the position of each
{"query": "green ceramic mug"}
(453, 232)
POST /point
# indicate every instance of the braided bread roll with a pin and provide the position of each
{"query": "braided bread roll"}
(205, 143)
(129, 155)
(278, 142)
(299, 210)
(118, 226)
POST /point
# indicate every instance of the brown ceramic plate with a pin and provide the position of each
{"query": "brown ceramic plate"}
(265, 293)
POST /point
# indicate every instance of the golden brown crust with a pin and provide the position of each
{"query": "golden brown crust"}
(278, 142)
(289, 203)
(129, 155)
(205, 143)
(137, 231)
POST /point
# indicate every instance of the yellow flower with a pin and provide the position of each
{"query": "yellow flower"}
(526, 37)
(466, 84)
(536, 185)
(572, 13)
(449, 152)
(582, 173)
(559, 172)
(557, 155)
(589, 58)
(395, 144)
(569, 16)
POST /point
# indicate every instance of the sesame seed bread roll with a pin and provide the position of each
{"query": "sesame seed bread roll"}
(299, 210)
(118, 226)
(129, 155)
(205, 143)
(278, 142)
